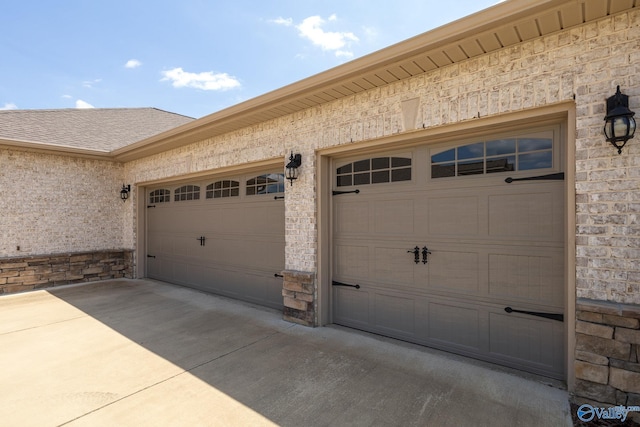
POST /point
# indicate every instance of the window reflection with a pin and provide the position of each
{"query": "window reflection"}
(534, 144)
(501, 146)
(160, 196)
(265, 184)
(500, 155)
(541, 160)
(220, 189)
(187, 192)
(471, 151)
(374, 171)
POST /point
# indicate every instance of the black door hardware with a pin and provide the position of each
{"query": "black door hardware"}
(334, 283)
(552, 316)
(553, 176)
(278, 275)
(151, 206)
(278, 197)
(416, 254)
(425, 252)
(335, 193)
(151, 256)
(202, 240)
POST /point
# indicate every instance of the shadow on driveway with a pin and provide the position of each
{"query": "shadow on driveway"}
(140, 352)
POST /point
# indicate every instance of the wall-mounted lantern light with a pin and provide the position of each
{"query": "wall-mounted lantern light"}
(292, 167)
(124, 193)
(619, 125)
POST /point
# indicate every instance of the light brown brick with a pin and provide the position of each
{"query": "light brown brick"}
(625, 322)
(294, 303)
(592, 358)
(625, 380)
(590, 372)
(594, 329)
(628, 335)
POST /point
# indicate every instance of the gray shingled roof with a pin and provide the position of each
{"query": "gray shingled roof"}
(102, 129)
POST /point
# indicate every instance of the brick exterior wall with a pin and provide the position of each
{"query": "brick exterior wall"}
(35, 272)
(57, 204)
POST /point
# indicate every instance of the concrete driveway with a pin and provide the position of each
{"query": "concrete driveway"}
(139, 352)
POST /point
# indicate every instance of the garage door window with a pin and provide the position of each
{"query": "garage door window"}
(226, 188)
(374, 171)
(160, 196)
(187, 192)
(266, 184)
(500, 155)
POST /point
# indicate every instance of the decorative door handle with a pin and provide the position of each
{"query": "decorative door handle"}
(202, 240)
(416, 254)
(425, 253)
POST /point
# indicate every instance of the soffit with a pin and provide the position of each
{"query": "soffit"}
(506, 24)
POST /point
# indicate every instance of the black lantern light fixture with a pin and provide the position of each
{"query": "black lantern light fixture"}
(124, 193)
(619, 125)
(295, 160)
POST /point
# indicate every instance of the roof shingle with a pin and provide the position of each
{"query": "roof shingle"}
(100, 129)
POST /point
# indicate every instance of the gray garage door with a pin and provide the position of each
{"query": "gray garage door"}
(438, 249)
(224, 236)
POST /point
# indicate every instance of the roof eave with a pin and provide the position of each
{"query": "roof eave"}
(65, 150)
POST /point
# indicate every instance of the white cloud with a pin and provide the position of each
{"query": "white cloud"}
(287, 22)
(82, 104)
(89, 83)
(206, 80)
(132, 63)
(344, 54)
(9, 106)
(311, 28)
(67, 96)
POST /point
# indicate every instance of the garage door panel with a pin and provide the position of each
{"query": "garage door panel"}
(395, 314)
(394, 264)
(455, 271)
(525, 338)
(527, 277)
(353, 218)
(534, 216)
(351, 307)
(242, 249)
(454, 325)
(492, 245)
(393, 217)
(352, 261)
(454, 216)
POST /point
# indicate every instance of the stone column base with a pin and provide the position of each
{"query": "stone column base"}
(607, 353)
(298, 291)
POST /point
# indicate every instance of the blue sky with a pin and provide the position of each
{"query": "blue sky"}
(192, 57)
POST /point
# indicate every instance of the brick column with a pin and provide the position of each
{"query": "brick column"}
(298, 291)
(608, 352)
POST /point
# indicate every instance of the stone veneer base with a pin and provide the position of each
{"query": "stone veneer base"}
(607, 364)
(298, 292)
(20, 274)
